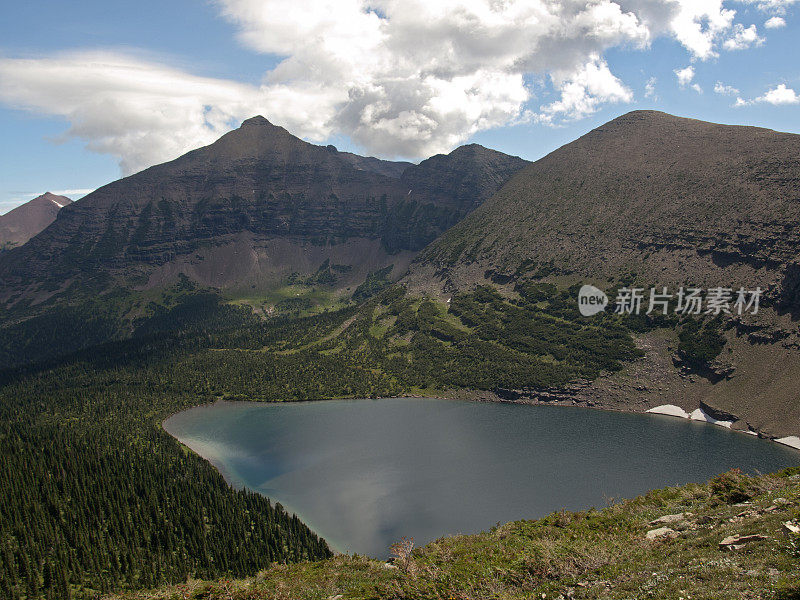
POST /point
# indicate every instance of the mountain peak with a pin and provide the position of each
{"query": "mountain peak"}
(257, 121)
(256, 137)
(59, 201)
(22, 223)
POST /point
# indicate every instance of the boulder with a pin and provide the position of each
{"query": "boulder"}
(671, 519)
(789, 528)
(661, 533)
(737, 542)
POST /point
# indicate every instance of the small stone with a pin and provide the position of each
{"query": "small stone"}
(389, 566)
(661, 533)
(790, 528)
(737, 542)
(670, 519)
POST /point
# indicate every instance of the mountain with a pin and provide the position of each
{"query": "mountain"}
(651, 199)
(110, 325)
(254, 208)
(22, 223)
(668, 198)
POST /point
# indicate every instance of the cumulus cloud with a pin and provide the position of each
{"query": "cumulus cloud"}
(582, 92)
(773, 6)
(742, 38)
(775, 23)
(650, 88)
(425, 76)
(399, 77)
(780, 95)
(685, 77)
(698, 24)
(725, 90)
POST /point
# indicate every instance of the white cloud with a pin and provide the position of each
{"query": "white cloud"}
(777, 96)
(426, 75)
(400, 77)
(699, 23)
(73, 194)
(685, 75)
(773, 6)
(742, 38)
(583, 92)
(650, 88)
(780, 95)
(775, 23)
(142, 112)
(725, 90)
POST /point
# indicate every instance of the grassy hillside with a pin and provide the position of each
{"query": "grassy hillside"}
(99, 498)
(125, 507)
(592, 554)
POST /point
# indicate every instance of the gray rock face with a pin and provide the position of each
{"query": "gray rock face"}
(261, 181)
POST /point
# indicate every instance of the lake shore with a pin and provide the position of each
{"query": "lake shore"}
(364, 472)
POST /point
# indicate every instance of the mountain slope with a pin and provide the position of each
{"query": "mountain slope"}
(249, 210)
(649, 200)
(666, 197)
(22, 223)
(584, 555)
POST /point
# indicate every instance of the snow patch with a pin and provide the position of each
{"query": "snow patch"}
(791, 440)
(700, 415)
(669, 409)
(57, 204)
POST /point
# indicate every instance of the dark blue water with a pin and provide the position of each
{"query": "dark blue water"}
(365, 473)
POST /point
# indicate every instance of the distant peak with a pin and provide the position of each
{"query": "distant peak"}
(60, 201)
(477, 152)
(468, 148)
(646, 113)
(257, 120)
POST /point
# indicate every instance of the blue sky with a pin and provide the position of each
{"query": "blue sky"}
(91, 91)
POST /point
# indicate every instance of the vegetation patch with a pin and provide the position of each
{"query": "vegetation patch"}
(590, 554)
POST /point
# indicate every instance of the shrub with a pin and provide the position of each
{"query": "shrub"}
(734, 487)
